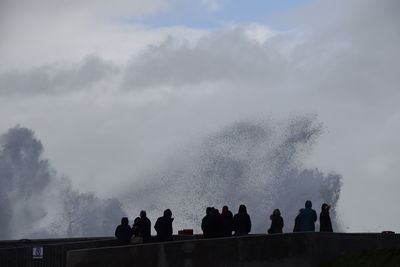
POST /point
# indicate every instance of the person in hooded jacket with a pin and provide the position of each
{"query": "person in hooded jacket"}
(297, 221)
(206, 223)
(241, 222)
(226, 222)
(145, 227)
(276, 222)
(163, 226)
(216, 223)
(123, 232)
(308, 217)
(324, 219)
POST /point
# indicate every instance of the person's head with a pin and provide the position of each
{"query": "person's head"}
(209, 210)
(225, 209)
(242, 209)
(325, 207)
(136, 221)
(124, 220)
(167, 213)
(215, 211)
(143, 214)
(277, 212)
(308, 204)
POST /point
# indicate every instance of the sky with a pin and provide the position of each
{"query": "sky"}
(113, 89)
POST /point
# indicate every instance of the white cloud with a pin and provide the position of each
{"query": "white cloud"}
(213, 5)
(34, 33)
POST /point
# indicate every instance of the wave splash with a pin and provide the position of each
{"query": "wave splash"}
(257, 164)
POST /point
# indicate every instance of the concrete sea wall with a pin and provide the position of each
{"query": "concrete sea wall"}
(293, 249)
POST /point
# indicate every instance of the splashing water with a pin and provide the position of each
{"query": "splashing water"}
(256, 164)
(35, 203)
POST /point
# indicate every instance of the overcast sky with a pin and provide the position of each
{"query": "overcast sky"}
(114, 88)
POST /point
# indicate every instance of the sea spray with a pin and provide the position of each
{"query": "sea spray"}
(35, 203)
(259, 164)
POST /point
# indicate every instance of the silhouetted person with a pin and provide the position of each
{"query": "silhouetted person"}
(145, 227)
(297, 221)
(163, 226)
(216, 223)
(136, 227)
(206, 223)
(241, 222)
(226, 222)
(123, 232)
(276, 222)
(325, 223)
(308, 217)
(211, 223)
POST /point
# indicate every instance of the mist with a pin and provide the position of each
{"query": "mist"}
(36, 203)
(256, 163)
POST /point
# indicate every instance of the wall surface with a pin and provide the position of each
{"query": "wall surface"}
(293, 249)
(18, 253)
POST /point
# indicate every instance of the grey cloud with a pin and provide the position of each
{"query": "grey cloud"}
(223, 56)
(357, 54)
(57, 78)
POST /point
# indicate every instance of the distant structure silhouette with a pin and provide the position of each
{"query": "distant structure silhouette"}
(163, 226)
(145, 227)
(276, 222)
(226, 222)
(325, 223)
(123, 232)
(242, 222)
(308, 217)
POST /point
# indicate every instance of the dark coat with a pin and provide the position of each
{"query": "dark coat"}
(211, 225)
(163, 228)
(325, 222)
(123, 233)
(241, 223)
(206, 226)
(276, 224)
(308, 217)
(297, 223)
(145, 229)
(226, 223)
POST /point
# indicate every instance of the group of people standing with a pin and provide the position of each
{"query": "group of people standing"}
(216, 224)
(141, 228)
(304, 221)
